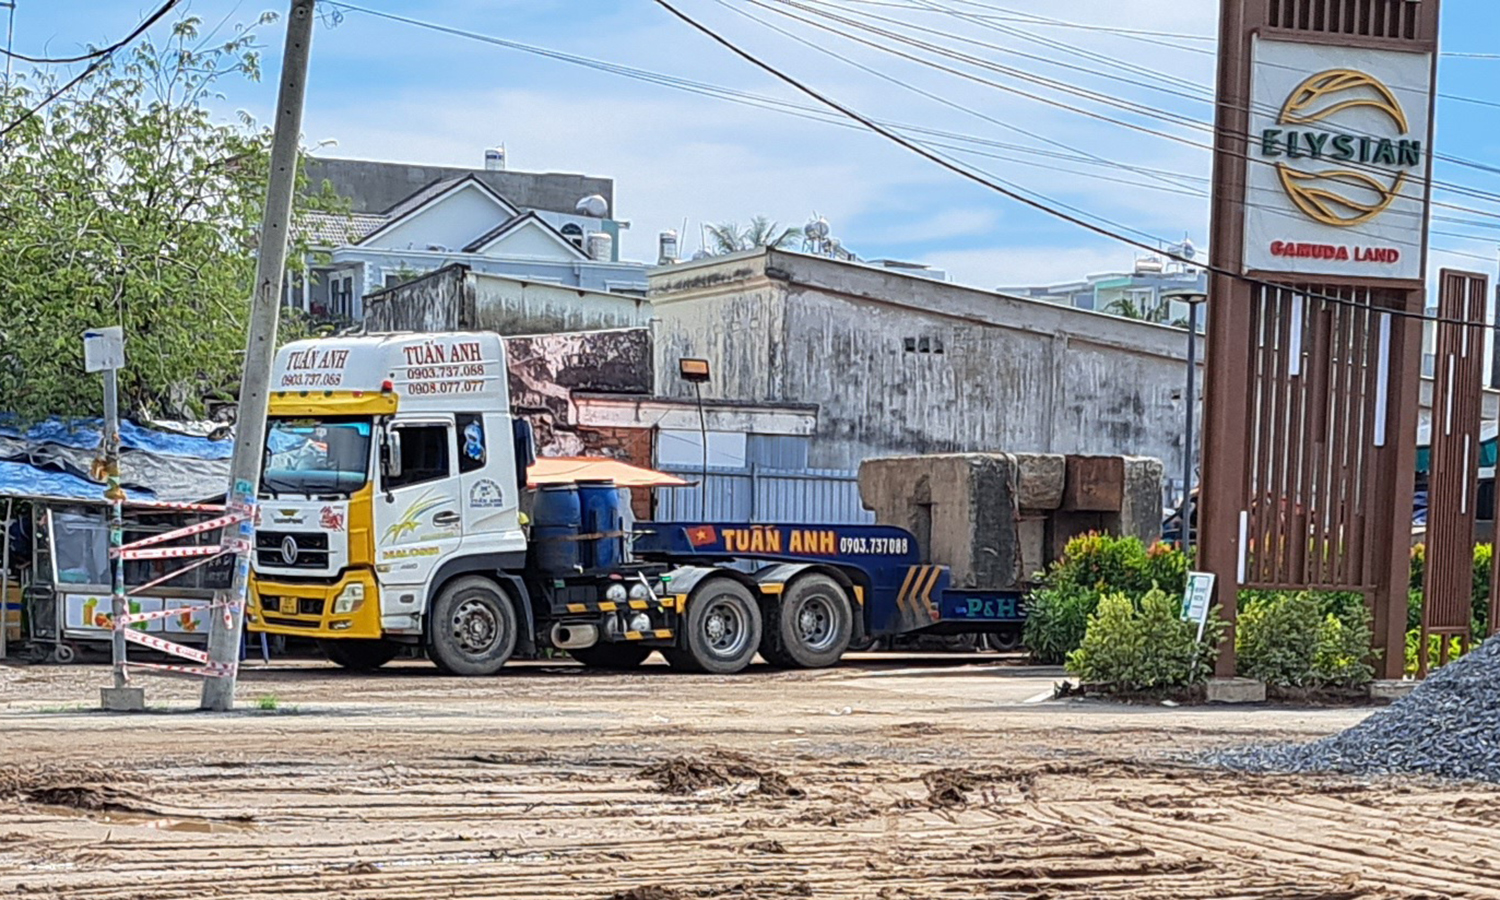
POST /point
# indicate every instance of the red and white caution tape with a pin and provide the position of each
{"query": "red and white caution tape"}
(186, 531)
(211, 670)
(169, 576)
(165, 646)
(183, 552)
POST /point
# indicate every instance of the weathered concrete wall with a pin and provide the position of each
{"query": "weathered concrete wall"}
(457, 298)
(511, 306)
(438, 301)
(907, 365)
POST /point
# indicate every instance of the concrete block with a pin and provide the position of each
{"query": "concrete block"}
(1390, 691)
(1040, 478)
(1094, 484)
(1141, 509)
(1031, 533)
(1236, 690)
(125, 699)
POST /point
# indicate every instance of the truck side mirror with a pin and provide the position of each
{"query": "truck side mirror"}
(390, 454)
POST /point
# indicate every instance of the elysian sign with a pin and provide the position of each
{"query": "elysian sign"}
(1338, 161)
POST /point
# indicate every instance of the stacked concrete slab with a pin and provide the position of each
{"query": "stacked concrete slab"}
(997, 519)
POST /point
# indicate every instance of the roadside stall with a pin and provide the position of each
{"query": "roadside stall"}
(55, 548)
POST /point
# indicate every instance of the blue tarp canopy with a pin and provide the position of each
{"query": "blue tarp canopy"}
(52, 460)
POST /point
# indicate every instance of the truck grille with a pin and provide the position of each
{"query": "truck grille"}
(307, 550)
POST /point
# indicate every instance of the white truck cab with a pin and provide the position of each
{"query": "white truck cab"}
(390, 467)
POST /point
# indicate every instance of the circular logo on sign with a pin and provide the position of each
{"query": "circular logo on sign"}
(289, 550)
(1339, 164)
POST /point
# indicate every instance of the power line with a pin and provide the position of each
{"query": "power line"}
(92, 54)
(99, 59)
(1117, 103)
(1172, 182)
(1045, 205)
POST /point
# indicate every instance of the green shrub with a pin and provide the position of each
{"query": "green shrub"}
(1479, 597)
(1434, 648)
(1057, 613)
(1304, 638)
(1276, 638)
(1342, 654)
(1146, 647)
(1056, 619)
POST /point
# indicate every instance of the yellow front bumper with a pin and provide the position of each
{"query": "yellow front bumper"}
(306, 610)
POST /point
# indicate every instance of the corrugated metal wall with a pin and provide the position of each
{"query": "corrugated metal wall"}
(762, 494)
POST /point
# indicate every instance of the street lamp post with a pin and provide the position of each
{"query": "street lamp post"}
(695, 372)
(1192, 298)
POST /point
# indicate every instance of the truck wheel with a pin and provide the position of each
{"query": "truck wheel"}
(811, 626)
(723, 629)
(617, 657)
(1007, 641)
(359, 655)
(472, 628)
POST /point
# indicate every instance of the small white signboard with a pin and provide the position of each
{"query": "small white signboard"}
(1197, 599)
(103, 349)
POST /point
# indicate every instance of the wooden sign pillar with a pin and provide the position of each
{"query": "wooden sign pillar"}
(1322, 167)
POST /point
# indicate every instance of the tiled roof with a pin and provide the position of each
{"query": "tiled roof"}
(323, 229)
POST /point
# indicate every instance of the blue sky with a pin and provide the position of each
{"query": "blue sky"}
(388, 90)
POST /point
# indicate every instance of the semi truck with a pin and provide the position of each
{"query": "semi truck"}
(394, 514)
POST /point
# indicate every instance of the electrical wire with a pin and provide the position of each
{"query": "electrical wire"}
(1172, 182)
(1117, 103)
(99, 59)
(1044, 205)
(93, 54)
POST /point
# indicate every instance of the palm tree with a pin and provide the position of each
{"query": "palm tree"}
(1131, 308)
(729, 237)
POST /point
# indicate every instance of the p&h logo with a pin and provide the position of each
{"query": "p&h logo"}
(1344, 177)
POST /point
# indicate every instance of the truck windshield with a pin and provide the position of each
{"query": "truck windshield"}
(316, 456)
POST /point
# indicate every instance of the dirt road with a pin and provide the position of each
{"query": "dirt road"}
(874, 781)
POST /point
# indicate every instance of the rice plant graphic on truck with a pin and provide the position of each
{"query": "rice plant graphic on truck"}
(411, 520)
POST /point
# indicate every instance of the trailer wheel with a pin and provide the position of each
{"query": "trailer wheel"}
(359, 655)
(811, 626)
(1007, 641)
(472, 629)
(723, 628)
(616, 657)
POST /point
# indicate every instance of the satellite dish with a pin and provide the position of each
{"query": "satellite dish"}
(593, 205)
(817, 229)
(1188, 250)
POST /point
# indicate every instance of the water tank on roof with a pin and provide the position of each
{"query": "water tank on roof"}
(494, 159)
(601, 247)
(593, 205)
(666, 246)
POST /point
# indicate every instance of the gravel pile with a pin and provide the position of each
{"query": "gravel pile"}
(1449, 726)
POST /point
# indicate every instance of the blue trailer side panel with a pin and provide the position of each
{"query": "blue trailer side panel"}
(902, 595)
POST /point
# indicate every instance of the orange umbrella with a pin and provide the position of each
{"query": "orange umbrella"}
(570, 469)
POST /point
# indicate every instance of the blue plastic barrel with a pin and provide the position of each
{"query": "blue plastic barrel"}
(555, 519)
(601, 515)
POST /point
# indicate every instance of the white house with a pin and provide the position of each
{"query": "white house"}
(549, 234)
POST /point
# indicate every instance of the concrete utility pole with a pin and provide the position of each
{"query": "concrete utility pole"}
(260, 349)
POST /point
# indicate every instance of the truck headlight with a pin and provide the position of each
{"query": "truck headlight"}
(350, 599)
(615, 593)
(640, 622)
(640, 591)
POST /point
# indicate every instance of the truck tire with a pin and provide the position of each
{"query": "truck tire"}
(359, 655)
(722, 629)
(615, 657)
(811, 626)
(472, 627)
(1007, 641)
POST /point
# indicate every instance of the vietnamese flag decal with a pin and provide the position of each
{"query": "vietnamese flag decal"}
(699, 535)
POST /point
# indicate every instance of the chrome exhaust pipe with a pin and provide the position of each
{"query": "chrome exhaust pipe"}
(575, 636)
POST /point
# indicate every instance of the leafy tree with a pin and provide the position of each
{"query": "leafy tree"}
(125, 203)
(729, 237)
(1131, 308)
